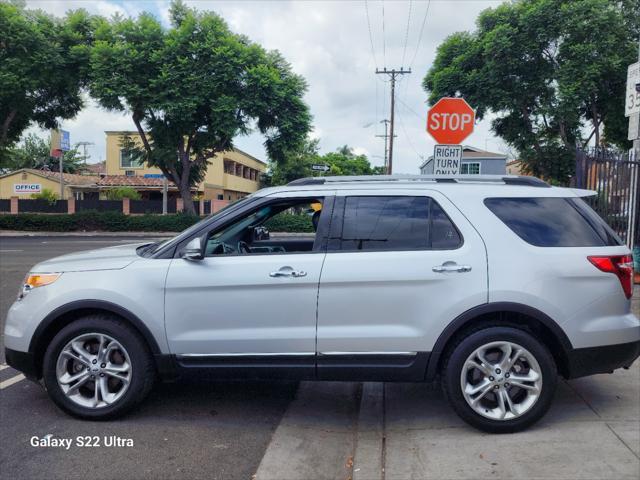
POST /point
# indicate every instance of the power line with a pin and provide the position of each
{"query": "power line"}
(373, 50)
(384, 38)
(406, 33)
(404, 130)
(424, 21)
(410, 109)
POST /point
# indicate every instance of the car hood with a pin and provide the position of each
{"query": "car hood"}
(109, 258)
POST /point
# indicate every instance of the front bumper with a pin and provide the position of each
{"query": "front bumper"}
(25, 362)
(604, 359)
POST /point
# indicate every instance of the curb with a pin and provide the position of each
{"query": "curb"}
(16, 233)
(368, 461)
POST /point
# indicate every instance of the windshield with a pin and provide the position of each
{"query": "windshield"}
(152, 248)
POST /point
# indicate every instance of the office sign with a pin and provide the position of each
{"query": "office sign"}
(21, 188)
(447, 159)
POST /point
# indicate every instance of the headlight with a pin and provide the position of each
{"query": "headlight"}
(35, 280)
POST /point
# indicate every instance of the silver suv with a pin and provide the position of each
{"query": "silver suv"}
(494, 285)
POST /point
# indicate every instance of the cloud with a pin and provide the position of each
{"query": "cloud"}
(328, 43)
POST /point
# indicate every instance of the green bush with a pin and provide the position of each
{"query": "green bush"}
(118, 193)
(91, 220)
(290, 223)
(47, 195)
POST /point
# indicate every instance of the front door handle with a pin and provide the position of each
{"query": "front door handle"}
(288, 272)
(451, 267)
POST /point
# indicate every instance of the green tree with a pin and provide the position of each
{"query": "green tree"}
(549, 70)
(298, 163)
(192, 88)
(43, 66)
(35, 152)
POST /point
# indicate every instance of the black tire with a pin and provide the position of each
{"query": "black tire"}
(466, 345)
(143, 372)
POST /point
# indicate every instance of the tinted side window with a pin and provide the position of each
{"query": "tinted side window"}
(553, 222)
(444, 235)
(394, 223)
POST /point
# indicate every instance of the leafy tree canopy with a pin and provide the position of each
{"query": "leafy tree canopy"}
(297, 164)
(550, 70)
(43, 66)
(35, 152)
(192, 88)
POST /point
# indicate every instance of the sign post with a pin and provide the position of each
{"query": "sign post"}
(60, 143)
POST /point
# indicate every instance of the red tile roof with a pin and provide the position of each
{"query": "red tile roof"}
(69, 178)
(133, 181)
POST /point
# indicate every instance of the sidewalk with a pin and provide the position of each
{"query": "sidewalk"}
(591, 431)
(24, 233)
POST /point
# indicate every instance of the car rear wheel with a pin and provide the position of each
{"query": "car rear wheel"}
(98, 367)
(500, 379)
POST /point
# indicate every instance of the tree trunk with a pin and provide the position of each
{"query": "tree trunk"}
(5, 126)
(187, 198)
(183, 182)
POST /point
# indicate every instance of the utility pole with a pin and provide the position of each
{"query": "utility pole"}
(385, 136)
(392, 74)
(84, 145)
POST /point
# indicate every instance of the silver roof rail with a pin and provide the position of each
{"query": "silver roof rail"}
(505, 179)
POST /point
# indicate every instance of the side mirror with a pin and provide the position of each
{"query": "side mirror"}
(193, 250)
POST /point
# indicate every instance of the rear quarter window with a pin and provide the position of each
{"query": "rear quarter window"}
(553, 221)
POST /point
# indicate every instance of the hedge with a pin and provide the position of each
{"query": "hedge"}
(91, 220)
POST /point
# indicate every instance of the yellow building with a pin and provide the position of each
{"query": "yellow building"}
(230, 176)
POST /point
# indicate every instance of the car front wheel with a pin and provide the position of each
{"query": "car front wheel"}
(500, 379)
(98, 367)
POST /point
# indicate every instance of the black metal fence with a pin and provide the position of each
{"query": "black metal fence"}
(616, 178)
(44, 206)
(99, 205)
(151, 206)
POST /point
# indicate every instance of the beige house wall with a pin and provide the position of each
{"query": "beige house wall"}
(7, 182)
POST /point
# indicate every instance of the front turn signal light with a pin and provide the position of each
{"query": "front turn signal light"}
(35, 280)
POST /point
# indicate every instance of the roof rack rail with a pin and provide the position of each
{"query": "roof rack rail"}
(505, 179)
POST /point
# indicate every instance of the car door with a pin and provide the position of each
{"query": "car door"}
(399, 267)
(254, 309)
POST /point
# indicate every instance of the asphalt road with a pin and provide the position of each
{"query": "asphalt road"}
(188, 430)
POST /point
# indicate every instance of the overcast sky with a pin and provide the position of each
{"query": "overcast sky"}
(328, 43)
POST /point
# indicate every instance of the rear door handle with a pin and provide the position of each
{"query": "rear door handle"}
(451, 267)
(288, 272)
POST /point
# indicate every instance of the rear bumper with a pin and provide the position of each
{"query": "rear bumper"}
(605, 359)
(24, 362)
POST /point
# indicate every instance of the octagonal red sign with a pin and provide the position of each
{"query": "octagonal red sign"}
(450, 121)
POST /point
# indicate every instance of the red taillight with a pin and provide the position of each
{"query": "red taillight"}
(619, 265)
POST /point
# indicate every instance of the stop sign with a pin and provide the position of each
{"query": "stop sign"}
(450, 120)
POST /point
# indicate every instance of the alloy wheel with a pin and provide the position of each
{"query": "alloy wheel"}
(501, 380)
(93, 370)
